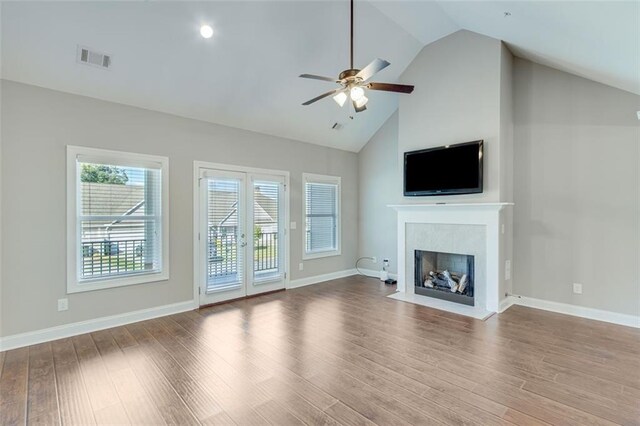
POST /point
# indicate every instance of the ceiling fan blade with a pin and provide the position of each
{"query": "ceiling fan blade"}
(318, 77)
(324, 95)
(362, 108)
(388, 87)
(377, 65)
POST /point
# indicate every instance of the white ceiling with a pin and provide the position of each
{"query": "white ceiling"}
(246, 75)
(599, 40)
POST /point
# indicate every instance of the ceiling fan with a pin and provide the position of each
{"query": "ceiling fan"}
(354, 81)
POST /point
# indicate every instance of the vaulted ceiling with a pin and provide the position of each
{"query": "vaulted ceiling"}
(246, 75)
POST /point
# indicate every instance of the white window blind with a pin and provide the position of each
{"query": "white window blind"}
(322, 215)
(119, 219)
(267, 253)
(225, 265)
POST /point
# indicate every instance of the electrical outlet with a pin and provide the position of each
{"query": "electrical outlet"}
(63, 304)
(301, 266)
(577, 288)
(293, 225)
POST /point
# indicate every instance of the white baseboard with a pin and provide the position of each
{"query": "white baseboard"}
(73, 329)
(301, 282)
(575, 310)
(376, 274)
(506, 303)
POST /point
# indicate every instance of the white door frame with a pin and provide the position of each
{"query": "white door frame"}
(198, 166)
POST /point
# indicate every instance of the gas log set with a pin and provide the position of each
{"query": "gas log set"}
(447, 281)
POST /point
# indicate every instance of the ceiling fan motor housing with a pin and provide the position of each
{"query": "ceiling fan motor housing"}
(348, 73)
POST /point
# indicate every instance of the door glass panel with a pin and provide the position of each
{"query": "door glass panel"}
(266, 230)
(224, 234)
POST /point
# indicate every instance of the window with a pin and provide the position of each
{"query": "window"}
(322, 216)
(117, 219)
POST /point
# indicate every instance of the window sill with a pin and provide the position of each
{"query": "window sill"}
(321, 254)
(107, 283)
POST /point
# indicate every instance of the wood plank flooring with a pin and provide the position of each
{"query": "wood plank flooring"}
(331, 354)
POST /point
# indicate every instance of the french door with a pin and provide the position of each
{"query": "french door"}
(242, 240)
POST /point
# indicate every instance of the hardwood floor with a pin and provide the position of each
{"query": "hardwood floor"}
(336, 353)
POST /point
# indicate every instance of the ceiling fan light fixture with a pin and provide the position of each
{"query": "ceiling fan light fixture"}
(362, 101)
(340, 98)
(357, 93)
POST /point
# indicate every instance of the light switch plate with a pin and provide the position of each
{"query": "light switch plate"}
(293, 225)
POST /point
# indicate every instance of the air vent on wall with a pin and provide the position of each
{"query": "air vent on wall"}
(91, 57)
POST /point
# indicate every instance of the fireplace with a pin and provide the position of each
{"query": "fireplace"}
(457, 228)
(446, 276)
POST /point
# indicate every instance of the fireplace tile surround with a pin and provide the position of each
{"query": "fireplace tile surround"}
(470, 228)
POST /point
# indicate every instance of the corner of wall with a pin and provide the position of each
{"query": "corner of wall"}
(378, 178)
(1, 299)
(506, 167)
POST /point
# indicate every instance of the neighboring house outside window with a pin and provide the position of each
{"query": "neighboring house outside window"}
(322, 216)
(117, 219)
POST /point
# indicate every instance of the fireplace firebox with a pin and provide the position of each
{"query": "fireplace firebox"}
(447, 276)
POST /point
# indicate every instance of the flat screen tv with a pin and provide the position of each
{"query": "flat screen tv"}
(445, 170)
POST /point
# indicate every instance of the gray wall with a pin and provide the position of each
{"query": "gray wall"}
(458, 98)
(506, 166)
(39, 123)
(1, 298)
(576, 190)
(379, 179)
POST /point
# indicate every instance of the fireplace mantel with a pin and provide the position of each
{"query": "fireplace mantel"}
(482, 214)
(456, 206)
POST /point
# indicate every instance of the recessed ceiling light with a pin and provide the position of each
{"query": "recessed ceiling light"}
(206, 31)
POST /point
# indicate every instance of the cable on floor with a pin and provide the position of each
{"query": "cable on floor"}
(362, 273)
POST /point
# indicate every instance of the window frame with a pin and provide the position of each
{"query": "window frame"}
(118, 158)
(322, 179)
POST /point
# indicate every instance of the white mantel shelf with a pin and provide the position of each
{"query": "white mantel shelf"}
(405, 207)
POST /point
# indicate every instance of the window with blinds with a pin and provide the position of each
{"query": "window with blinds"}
(266, 230)
(322, 215)
(225, 232)
(119, 218)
